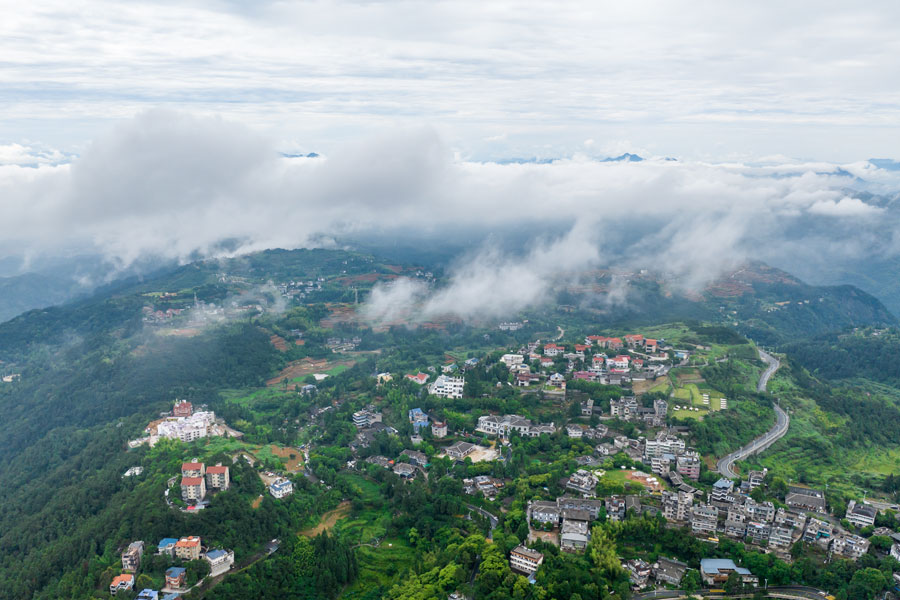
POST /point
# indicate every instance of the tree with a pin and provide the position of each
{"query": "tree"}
(733, 585)
(691, 581)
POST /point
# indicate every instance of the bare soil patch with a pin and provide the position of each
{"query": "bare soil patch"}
(328, 520)
(291, 464)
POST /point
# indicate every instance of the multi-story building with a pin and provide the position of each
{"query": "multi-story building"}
(735, 529)
(448, 387)
(703, 519)
(806, 499)
(590, 505)
(188, 548)
(542, 511)
(722, 489)
(219, 561)
(439, 429)
(525, 560)
(817, 529)
(166, 546)
(281, 487)
(131, 557)
(182, 408)
(574, 535)
(615, 508)
(365, 417)
(756, 478)
(715, 572)
(497, 425)
(187, 429)
(791, 519)
(511, 360)
(193, 469)
(175, 577)
(688, 466)
(638, 572)
(121, 583)
(669, 570)
(759, 511)
(677, 505)
(582, 481)
(625, 407)
(193, 489)
(780, 537)
(849, 545)
(861, 515)
(757, 532)
(217, 478)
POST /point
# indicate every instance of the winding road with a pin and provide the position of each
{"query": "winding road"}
(725, 466)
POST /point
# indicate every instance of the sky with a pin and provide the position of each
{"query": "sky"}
(177, 130)
(694, 80)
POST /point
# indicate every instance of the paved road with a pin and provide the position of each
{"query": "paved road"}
(725, 466)
(796, 592)
(493, 520)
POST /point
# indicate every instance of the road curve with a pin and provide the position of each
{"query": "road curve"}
(725, 466)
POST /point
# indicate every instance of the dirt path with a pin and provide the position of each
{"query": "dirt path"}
(329, 519)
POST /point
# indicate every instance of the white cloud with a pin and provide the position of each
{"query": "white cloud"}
(682, 79)
(174, 185)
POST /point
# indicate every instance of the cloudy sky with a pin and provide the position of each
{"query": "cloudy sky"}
(696, 80)
(163, 129)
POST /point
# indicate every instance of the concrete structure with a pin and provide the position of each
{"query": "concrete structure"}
(219, 561)
(669, 570)
(193, 489)
(525, 560)
(460, 450)
(583, 482)
(217, 478)
(175, 577)
(120, 583)
(715, 572)
(861, 515)
(439, 429)
(849, 545)
(188, 548)
(806, 499)
(447, 387)
(131, 557)
(281, 487)
(166, 546)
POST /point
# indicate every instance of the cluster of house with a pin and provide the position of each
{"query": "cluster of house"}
(483, 484)
(151, 315)
(627, 408)
(446, 386)
(417, 461)
(503, 425)
(336, 344)
(197, 479)
(731, 512)
(183, 424)
(186, 549)
(368, 422)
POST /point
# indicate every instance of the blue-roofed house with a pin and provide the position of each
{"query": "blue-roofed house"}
(175, 577)
(172, 596)
(418, 418)
(166, 546)
(219, 561)
(148, 594)
(715, 571)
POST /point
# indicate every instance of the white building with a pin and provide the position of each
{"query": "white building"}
(187, 429)
(511, 360)
(525, 560)
(447, 387)
(219, 561)
(861, 515)
(281, 488)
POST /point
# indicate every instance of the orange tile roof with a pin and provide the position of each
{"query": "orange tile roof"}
(123, 578)
(217, 470)
(192, 466)
(191, 480)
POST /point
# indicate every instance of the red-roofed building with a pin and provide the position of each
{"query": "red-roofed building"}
(419, 378)
(546, 361)
(614, 343)
(596, 339)
(585, 375)
(188, 548)
(193, 488)
(634, 340)
(650, 345)
(217, 477)
(598, 360)
(553, 350)
(619, 362)
(183, 409)
(123, 582)
(193, 469)
(581, 347)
